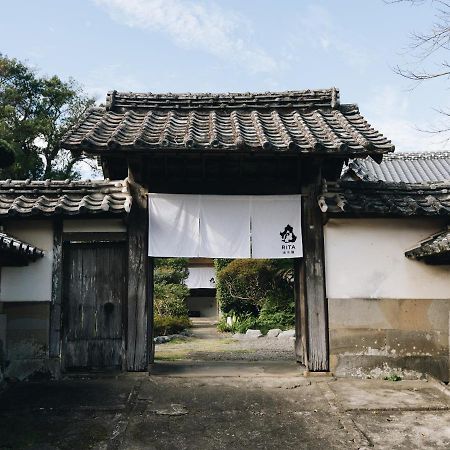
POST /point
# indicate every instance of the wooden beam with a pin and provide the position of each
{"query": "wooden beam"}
(312, 285)
(138, 308)
(56, 300)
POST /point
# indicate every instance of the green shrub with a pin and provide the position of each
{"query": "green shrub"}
(170, 300)
(256, 293)
(281, 319)
(264, 322)
(244, 284)
(240, 324)
(170, 293)
(222, 325)
(247, 286)
(165, 325)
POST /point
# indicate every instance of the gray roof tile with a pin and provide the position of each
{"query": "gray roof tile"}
(436, 248)
(47, 198)
(398, 167)
(385, 199)
(302, 121)
(14, 246)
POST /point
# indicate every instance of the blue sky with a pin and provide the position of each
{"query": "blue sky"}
(236, 45)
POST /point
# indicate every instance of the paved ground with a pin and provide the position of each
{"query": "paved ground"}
(260, 407)
(223, 402)
(207, 344)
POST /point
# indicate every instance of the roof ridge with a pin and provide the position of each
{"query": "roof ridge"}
(386, 185)
(10, 183)
(324, 97)
(418, 155)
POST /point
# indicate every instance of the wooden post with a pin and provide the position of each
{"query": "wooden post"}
(138, 308)
(55, 305)
(150, 328)
(301, 324)
(313, 300)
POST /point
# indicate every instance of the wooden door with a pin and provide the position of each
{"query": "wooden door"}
(94, 293)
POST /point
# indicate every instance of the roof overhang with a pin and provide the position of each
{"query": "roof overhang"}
(15, 252)
(433, 250)
(50, 198)
(377, 199)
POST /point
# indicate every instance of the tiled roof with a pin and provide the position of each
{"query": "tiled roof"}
(436, 247)
(11, 245)
(46, 198)
(397, 167)
(387, 199)
(297, 121)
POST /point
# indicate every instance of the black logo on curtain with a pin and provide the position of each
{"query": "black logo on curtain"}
(288, 236)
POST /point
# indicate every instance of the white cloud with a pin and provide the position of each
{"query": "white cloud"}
(317, 29)
(194, 25)
(389, 112)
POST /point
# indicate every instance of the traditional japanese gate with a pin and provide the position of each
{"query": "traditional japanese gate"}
(227, 144)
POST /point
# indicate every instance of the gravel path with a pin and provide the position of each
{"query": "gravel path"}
(206, 344)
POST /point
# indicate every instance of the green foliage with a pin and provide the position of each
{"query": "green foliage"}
(171, 270)
(170, 300)
(265, 321)
(244, 285)
(277, 316)
(222, 325)
(35, 112)
(220, 264)
(393, 377)
(170, 293)
(6, 154)
(256, 293)
(170, 325)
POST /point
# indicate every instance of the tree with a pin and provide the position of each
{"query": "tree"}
(430, 52)
(35, 112)
(430, 45)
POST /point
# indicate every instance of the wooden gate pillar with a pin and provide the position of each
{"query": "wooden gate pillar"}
(312, 348)
(139, 325)
(55, 305)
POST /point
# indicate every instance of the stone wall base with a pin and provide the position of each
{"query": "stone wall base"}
(408, 367)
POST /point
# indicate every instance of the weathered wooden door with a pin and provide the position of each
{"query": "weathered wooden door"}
(94, 299)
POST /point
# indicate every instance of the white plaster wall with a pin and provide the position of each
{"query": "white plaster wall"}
(206, 305)
(32, 282)
(201, 277)
(94, 225)
(365, 258)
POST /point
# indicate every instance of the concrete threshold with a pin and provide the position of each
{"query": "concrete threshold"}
(242, 369)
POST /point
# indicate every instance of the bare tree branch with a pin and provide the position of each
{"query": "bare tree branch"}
(430, 52)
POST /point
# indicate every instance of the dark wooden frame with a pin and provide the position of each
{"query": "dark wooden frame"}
(56, 301)
(140, 293)
(312, 342)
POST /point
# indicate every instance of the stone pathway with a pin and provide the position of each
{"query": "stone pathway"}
(207, 344)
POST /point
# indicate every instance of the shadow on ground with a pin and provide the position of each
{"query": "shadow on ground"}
(257, 408)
